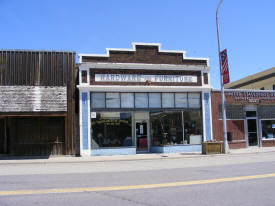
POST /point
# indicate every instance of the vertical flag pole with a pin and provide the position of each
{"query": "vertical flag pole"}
(225, 143)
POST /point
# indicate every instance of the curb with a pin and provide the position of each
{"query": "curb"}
(118, 158)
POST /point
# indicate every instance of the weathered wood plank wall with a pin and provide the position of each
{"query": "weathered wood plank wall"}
(43, 68)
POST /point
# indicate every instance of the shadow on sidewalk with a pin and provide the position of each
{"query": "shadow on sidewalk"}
(10, 157)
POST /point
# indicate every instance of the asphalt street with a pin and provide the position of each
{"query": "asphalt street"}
(201, 180)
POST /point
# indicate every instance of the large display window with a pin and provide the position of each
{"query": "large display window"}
(268, 129)
(192, 127)
(166, 128)
(111, 129)
(176, 127)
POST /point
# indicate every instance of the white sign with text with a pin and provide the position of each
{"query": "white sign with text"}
(144, 78)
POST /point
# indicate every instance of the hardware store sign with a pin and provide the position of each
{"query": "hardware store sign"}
(144, 78)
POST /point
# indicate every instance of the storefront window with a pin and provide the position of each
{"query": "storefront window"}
(111, 129)
(154, 100)
(112, 100)
(181, 100)
(166, 128)
(167, 100)
(192, 127)
(141, 100)
(98, 100)
(194, 100)
(127, 100)
(268, 129)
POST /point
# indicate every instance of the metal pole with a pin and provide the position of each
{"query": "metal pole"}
(225, 143)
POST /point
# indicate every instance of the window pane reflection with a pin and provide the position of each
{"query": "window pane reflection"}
(154, 100)
(166, 128)
(127, 100)
(167, 100)
(192, 127)
(268, 129)
(98, 100)
(194, 100)
(141, 100)
(181, 100)
(112, 100)
(111, 129)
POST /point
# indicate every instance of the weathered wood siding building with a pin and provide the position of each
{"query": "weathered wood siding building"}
(37, 106)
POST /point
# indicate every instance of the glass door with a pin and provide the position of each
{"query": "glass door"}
(142, 136)
(252, 132)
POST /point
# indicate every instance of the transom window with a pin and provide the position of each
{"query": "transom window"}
(144, 100)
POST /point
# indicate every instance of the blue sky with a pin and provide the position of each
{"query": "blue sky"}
(247, 28)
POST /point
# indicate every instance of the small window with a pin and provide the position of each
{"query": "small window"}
(167, 100)
(205, 78)
(98, 100)
(84, 77)
(127, 100)
(181, 100)
(112, 100)
(154, 100)
(194, 100)
(141, 100)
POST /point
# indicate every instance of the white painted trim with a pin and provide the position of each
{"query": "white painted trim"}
(80, 75)
(79, 59)
(246, 133)
(89, 121)
(80, 124)
(202, 79)
(257, 126)
(198, 58)
(142, 66)
(139, 88)
(133, 49)
(203, 116)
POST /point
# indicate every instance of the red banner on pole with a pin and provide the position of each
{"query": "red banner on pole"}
(224, 67)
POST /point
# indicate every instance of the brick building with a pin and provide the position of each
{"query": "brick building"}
(143, 99)
(250, 117)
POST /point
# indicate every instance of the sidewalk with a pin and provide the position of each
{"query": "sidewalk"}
(150, 156)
